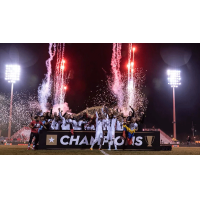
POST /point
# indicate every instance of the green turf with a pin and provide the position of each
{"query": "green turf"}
(22, 150)
(175, 151)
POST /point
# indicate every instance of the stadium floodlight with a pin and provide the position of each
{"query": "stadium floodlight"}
(174, 79)
(11, 75)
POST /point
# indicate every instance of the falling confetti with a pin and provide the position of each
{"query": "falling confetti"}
(24, 103)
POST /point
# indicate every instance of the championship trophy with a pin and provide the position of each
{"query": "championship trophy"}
(149, 140)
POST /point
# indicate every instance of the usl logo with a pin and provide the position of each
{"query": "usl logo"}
(51, 140)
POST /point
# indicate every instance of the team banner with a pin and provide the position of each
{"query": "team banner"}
(149, 140)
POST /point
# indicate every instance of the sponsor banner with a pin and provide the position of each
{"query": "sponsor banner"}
(8, 144)
(149, 140)
(175, 145)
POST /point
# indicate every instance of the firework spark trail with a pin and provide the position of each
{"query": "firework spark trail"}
(56, 75)
(44, 90)
(129, 61)
(63, 51)
(131, 82)
(116, 84)
(129, 67)
(64, 79)
(60, 78)
(58, 91)
(62, 95)
(135, 81)
(127, 89)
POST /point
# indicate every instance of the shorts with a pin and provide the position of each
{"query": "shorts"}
(98, 135)
(34, 135)
(110, 136)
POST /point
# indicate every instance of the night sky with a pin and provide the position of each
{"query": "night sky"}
(86, 62)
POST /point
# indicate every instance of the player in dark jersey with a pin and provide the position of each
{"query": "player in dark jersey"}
(35, 125)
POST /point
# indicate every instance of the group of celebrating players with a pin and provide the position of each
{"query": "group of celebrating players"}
(99, 120)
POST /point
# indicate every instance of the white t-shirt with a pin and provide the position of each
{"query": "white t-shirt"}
(65, 125)
(119, 126)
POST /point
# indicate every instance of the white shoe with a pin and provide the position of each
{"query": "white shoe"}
(109, 149)
(115, 149)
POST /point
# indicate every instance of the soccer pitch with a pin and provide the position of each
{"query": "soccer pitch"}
(22, 150)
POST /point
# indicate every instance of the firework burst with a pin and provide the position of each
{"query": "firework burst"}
(53, 90)
(127, 88)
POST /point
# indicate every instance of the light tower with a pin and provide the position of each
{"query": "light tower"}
(174, 79)
(11, 75)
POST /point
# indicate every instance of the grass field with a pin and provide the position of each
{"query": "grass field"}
(22, 150)
(175, 151)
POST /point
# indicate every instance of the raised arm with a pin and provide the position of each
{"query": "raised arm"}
(97, 115)
(133, 112)
(60, 115)
(64, 114)
(102, 110)
(115, 121)
(53, 124)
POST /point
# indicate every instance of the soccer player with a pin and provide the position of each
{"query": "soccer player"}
(99, 130)
(65, 121)
(75, 124)
(91, 124)
(34, 125)
(43, 122)
(81, 124)
(111, 123)
(130, 130)
(119, 126)
(55, 125)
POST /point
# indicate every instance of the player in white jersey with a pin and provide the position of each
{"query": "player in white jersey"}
(111, 123)
(55, 124)
(65, 122)
(66, 125)
(99, 130)
(75, 124)
(81, 124)
(119, 126)
(90, 126)
(104, 124)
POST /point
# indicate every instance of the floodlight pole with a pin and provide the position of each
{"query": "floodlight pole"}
(174, 114)
(10, 117)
